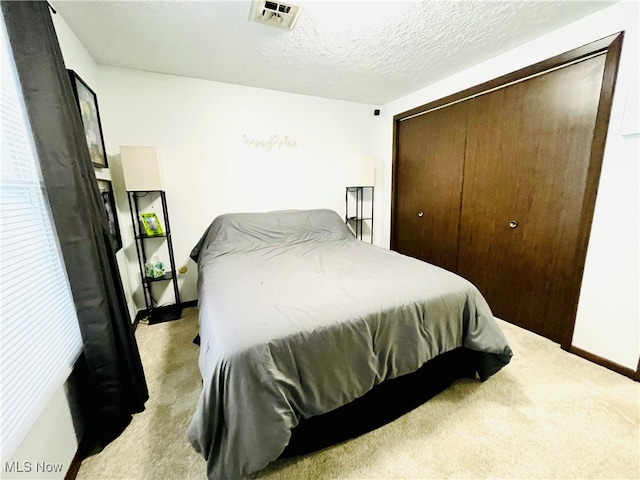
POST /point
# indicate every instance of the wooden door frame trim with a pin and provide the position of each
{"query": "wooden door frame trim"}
(601, 129)
(611, 46)
(598, 46)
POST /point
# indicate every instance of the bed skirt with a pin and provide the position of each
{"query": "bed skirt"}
(383, 404)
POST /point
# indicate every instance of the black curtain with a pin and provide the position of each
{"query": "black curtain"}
(114, 386)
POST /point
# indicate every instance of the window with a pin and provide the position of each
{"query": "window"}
(39, 334)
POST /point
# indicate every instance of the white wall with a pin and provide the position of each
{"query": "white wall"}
(608, 316)
(208, 135)
(47, 451)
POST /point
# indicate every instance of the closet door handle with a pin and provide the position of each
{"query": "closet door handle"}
(513, 224)
(420, 214)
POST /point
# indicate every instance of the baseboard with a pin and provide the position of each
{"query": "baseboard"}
(592, 357)
(74, 466)
(139, 316)
(190, 303)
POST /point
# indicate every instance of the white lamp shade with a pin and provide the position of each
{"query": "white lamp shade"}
(360, 172)
(141, 168)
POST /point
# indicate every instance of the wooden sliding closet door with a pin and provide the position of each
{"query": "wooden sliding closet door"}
(429, 165)
(527, 157)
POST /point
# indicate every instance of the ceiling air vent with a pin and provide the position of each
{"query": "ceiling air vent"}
(275, 14)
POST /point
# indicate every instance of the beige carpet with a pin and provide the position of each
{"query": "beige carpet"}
(548, 414)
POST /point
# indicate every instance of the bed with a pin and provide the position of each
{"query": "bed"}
(298, 318)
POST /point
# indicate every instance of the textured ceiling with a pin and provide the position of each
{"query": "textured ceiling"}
(364, 51)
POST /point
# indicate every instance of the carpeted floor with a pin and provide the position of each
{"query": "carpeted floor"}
(548, 414)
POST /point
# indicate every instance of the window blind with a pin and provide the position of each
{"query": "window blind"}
(39, 334)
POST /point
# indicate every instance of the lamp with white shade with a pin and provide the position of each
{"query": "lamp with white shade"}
(141, 168)
(360, 172)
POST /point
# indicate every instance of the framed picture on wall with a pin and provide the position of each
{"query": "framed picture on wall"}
(88, 105)
(106, 192)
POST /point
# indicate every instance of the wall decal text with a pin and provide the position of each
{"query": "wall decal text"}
(274, 141)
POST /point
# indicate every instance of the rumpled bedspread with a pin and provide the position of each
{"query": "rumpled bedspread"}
(298, 318)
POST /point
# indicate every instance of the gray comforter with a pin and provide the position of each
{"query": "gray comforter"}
(297, 318)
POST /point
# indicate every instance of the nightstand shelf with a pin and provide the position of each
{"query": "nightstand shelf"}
(166, 276)
(145, 244)
(359, 200)
(145, 236)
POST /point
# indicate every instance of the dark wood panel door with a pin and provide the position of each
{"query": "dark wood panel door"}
(528, 154)
(429, 166)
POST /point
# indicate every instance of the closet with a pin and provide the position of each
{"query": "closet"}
(498, 184)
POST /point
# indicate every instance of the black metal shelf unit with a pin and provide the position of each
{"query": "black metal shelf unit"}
(154, 312)
(355, 200)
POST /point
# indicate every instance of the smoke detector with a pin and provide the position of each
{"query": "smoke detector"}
(274, 14)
